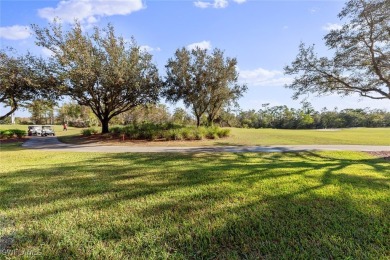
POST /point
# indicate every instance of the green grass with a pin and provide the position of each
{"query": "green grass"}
(242, 136)
(363, 136)
(328, 205)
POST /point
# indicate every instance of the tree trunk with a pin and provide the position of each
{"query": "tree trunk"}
(197, 121)
(13, 109)
(210, 121)
(104, 122)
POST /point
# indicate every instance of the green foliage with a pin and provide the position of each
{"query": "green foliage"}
(224, 132)
(150, 113)
(89, 131)
(168, 131)
(361, 54)
(102, 70)
(76, 115)
(42, 111)
(283, 117)
(10, 133)
(24, 78)
(180, 116)
(205, 82)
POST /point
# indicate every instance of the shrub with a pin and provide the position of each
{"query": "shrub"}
(167, 131)
(89, 131)
(212, 133)
(186, 133)
(9, 133)
(199, 133)
(223, 132)
(19, 133)
(173, 134)
(117, 131)
(6, 134)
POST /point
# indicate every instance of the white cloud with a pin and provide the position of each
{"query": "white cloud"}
(148, 48)
(331, 26)
(15, 32)
(263, 78)
(214, 4)
(89, 11)
(203, 45)
(220, 3)
(201, 4)
(47, 52)
(313, 10)
(239, 1)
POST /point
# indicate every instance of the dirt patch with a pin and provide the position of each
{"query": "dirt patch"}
(383, 154)
(6, 242)
(6, 237)
(102, 139)
(328, 130)
(13, 140)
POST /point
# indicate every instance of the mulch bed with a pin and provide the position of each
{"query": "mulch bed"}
(13, 140)
(384, 154)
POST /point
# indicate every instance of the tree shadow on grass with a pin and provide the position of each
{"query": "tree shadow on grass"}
(291, 205)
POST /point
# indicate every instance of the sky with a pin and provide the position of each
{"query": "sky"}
(263, 35)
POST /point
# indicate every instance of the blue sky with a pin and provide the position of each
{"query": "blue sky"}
(262, 35)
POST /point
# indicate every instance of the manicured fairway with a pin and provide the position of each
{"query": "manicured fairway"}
(251, 137)
(242, 136)
(367, 136)
(248, 205)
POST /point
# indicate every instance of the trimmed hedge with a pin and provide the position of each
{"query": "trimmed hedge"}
(10, 133)
(168, 132)
(89, 131)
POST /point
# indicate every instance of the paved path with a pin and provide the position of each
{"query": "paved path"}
(52, 144)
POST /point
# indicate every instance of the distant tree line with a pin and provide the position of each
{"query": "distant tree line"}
(283, 117)
(279, 117)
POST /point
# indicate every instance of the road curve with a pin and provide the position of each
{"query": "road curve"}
(52, 144)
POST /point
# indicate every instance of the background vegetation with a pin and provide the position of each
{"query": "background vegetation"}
(279, 117)
(250, 137)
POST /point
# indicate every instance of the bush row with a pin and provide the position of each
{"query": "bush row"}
(10, 133)
(166, 132)
(89, 131)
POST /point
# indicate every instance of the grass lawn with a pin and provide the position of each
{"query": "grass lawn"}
(248, 205)
(241, 136)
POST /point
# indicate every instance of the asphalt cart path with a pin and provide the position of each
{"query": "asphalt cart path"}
(53, 144)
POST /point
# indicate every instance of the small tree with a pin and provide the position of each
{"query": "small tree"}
(180, 116)
(205, 82)
(361, 61)
(42, 111)
(101, 70)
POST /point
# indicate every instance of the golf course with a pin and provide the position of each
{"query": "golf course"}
(202, 129)
(199, 205)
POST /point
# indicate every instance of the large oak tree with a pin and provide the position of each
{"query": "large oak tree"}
(101, 70)
(361, 60)
(24, 78)
(205, 82)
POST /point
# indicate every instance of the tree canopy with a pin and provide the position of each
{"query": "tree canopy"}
(102, 71)
(24, 78)
(361, 60)
(205, 82)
